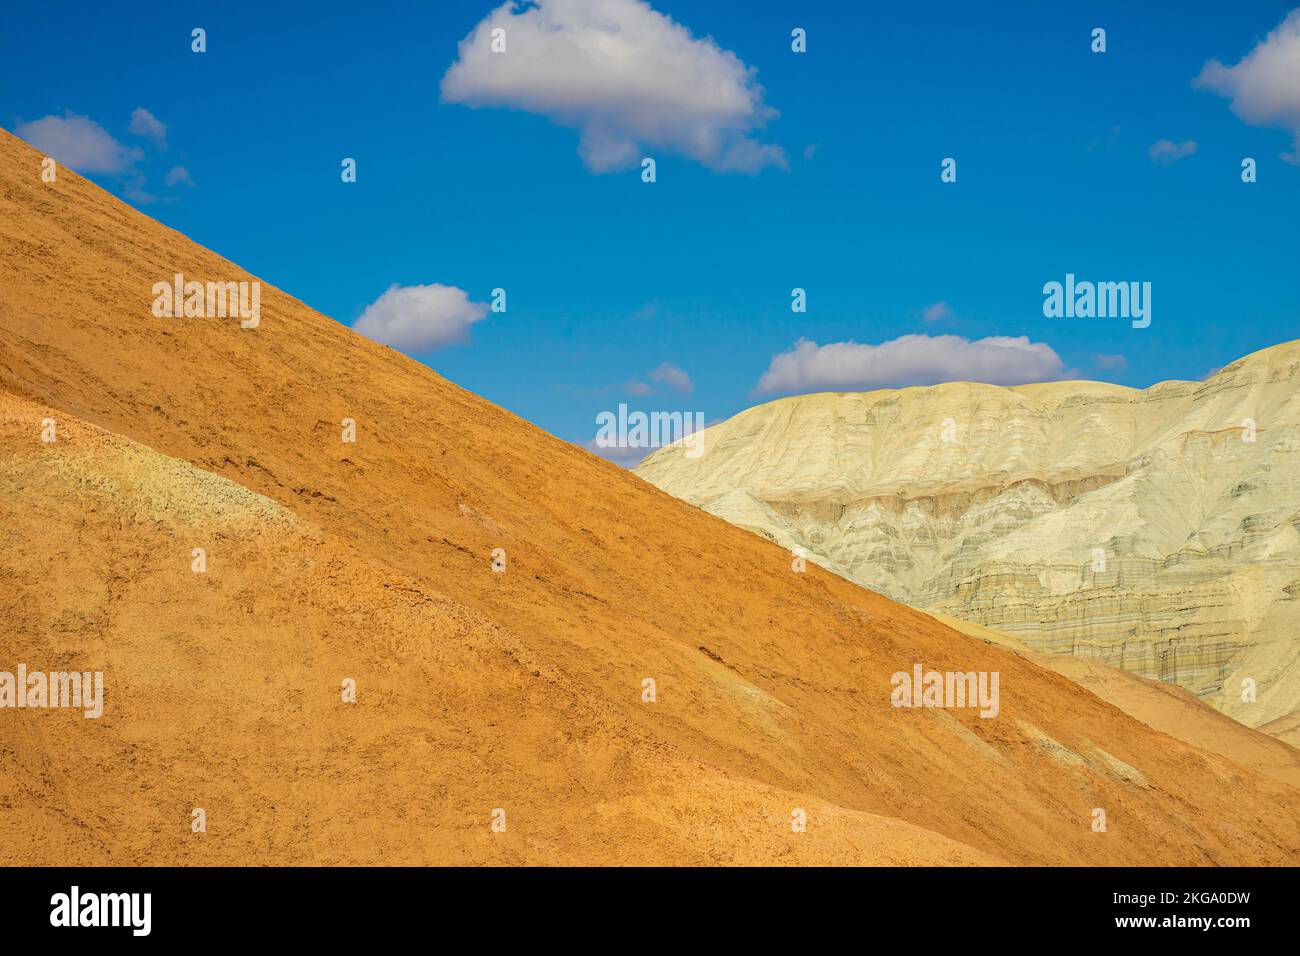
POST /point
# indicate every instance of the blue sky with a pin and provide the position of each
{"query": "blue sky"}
(608, 277)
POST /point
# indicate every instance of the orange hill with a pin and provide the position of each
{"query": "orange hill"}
(476, 690)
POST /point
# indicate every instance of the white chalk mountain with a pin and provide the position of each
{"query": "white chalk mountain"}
(1156, 530)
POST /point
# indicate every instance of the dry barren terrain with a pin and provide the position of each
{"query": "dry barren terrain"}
(477, 690)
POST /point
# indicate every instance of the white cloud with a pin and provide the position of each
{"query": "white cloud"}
(626, 76)
(144, 123)
(1110, 362)
(79, 143)
(1166, 151)
(670, 375)
(937, 312)
(910, 360)
(417, 318)
(1265, 86)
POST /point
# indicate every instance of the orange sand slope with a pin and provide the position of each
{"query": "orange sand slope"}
(476, 690)
(225, 689)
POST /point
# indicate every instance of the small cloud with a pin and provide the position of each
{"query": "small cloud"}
(910, 360)
(647, 311)
(937, 312)
(670, 375)
(1110, 362)
(79, 143)
(637, 387)
(627, 77)
(1265, 86)
(179, 176)
(144, 123)
(1165, 151)
(810, 150)
(418, 318)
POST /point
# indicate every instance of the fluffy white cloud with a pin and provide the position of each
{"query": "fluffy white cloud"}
(623, 74)
(144, 123)
(1166, 151)
(1265, 86)
(417, 318)
(79, 143)
(670, 375)
(910, 360)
